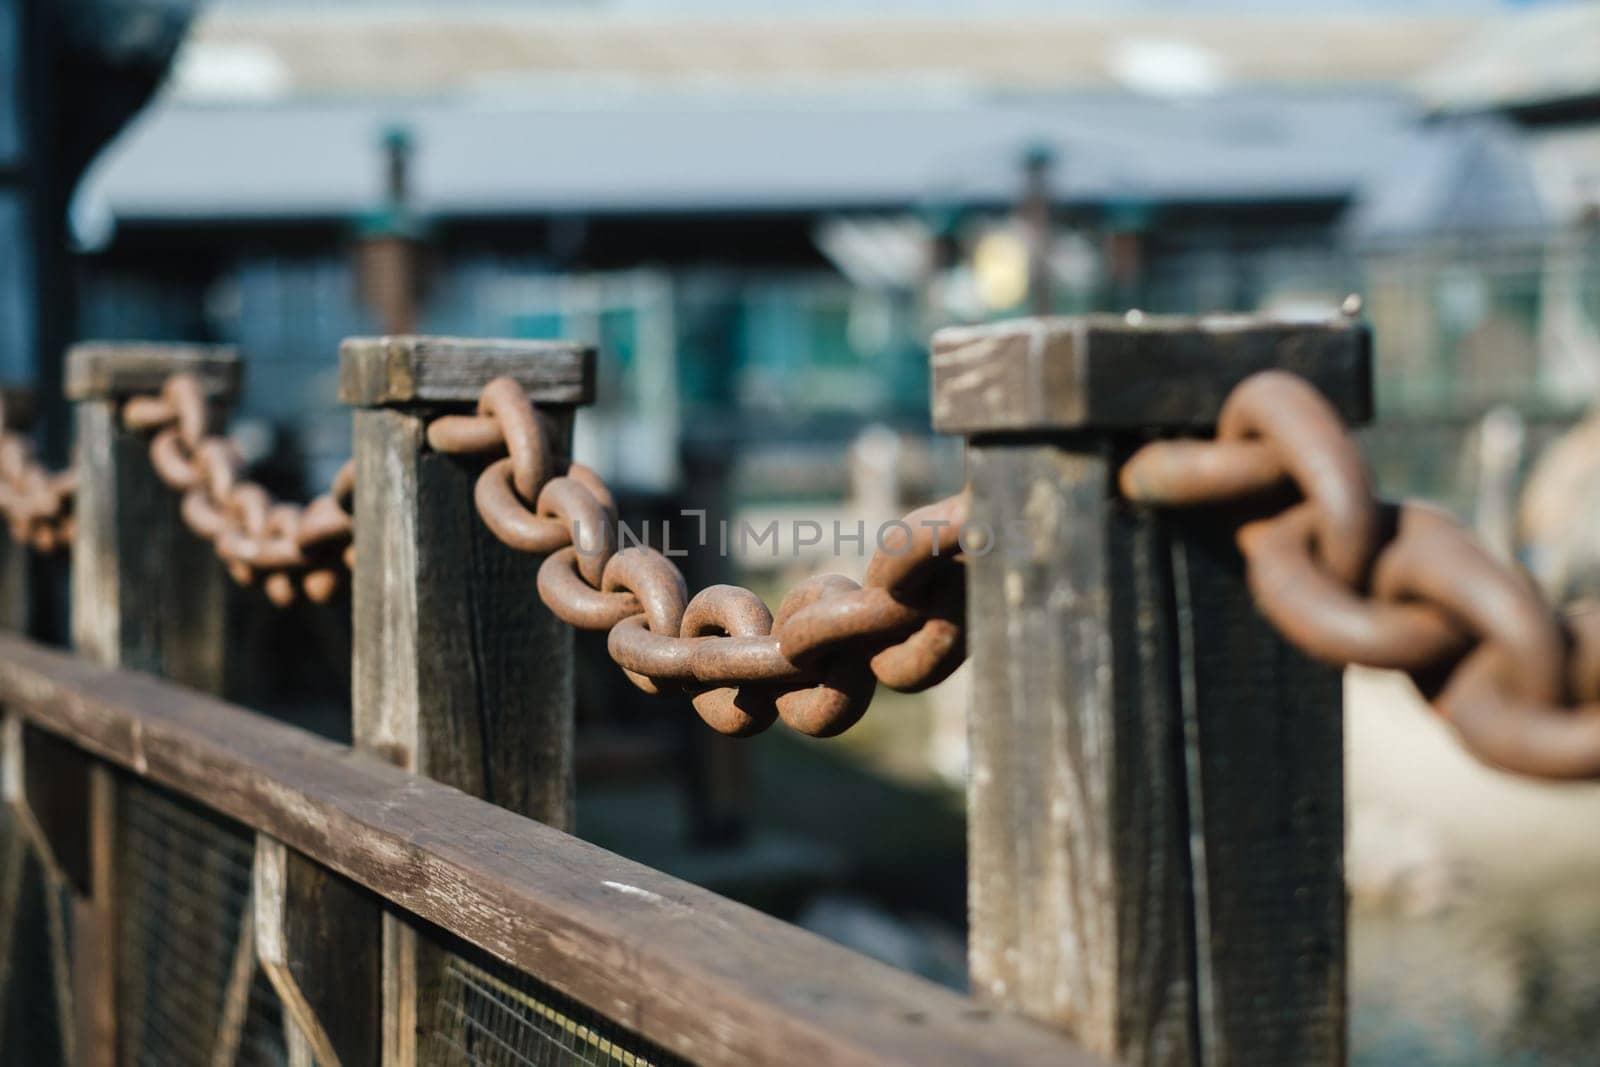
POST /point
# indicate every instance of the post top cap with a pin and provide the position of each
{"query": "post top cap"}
(1135, 371)
(411, 370)
(98, 370)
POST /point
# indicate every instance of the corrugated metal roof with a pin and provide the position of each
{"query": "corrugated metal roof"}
(670, 151)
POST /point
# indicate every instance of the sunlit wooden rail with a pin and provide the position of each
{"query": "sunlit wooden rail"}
(1155, 796)
(703, 977)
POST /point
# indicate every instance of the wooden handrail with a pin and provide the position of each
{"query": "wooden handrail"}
(702, 976)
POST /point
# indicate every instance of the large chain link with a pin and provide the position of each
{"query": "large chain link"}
(814, 665)
(1352, 579)
(284, 547)
(1347, 577)
(36, 502)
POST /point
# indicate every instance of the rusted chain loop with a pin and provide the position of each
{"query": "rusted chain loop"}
(278, 547)
(201, 515)
(188, 402)
(575, 601)
(466, 435)
(36, 503)
(327, 530)
(173, 464)
(16, 456)
(1184, 472)
(1351, 580)
(320, 584)
(908, 627)
(647, 646)
(1315, 611)
(733, 656)
(1434, 561)
(1495, 720)
(933, 651)
(838, 686)
(596, 486)
(324, 523)
(509, 518)
(257, 539)
(147, 414)
(344, 485)
(919, 544)
(845, 617)
(589, 526)
(219, 464)
(506, 402)
(506, 419)
(244, 520)
(918, 564)
(1322, 458)
(1307, 439)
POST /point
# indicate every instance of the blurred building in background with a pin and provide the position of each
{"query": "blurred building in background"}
(760, 221)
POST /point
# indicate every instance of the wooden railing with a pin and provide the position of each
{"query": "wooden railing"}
(698, 975)
(1155, 806)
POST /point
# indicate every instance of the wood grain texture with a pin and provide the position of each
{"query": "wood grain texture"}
(147, 595)
(146, 592)
(1265, 764)
(317, 938)
(97, 370)
(700, 975)
(378, 371)
(1077, 862)
(1155, 799)
(460, 671)
(1103, 371)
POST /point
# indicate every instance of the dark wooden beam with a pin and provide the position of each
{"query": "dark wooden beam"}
(709, 979)
(1134, 372)
(99, 370)
(459, 671)
(146, 594)
(388, 371)
(1155, 796)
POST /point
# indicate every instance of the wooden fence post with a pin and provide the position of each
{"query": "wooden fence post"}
(145, 594)
(1155, 799)
(134, 604)
(460, 673)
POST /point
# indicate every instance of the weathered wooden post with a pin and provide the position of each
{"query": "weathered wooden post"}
(1155, 795)
(460, 672)
(146, 594)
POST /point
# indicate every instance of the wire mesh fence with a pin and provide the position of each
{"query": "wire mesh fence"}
(189, 988)
(491, 1016)
(30, 972)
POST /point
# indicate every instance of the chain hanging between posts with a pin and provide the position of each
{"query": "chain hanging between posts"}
(1352, 579)
(284, 547)
(814, 665)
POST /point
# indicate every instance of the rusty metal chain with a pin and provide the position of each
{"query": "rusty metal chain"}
(1352, 579)
(284, 547)
(36, 502)
(815, 665)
